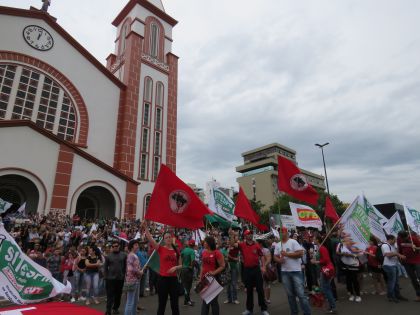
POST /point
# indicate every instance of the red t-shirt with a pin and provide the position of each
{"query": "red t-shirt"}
(372, 261)
(324, 256)
(406, 249)
(209, 260)
(167, 259)
(251, 254)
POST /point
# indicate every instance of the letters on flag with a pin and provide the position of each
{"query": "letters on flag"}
(174, 203)
(305, 216)
(22, 281)
(394, 225)
(376, 220)
(412, 217)
(294, 183)
(221, 204)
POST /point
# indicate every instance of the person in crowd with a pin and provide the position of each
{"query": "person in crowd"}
(374, 266)
(288, 253)
(266, 282)
(79, 269)
(325, 262)
(143, 257)
(391, 256)
(252, 272)
(213, 264)
(410, 248)
(187, 256)
(114, 273)
(351, 266)
(170, 261)
(93, 263)
(232, 285)
(132, 278)
(54, 263)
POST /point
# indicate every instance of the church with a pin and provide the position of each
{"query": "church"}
(78, 136)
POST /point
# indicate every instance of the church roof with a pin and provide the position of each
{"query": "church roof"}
(154, 6)
(51, 21)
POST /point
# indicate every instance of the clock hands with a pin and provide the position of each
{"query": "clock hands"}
(39, 36)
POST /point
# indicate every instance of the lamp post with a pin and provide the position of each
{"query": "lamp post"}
(321, 146)
(254, 189)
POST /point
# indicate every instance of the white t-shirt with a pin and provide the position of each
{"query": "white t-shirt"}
(291, 246)
(388, 248)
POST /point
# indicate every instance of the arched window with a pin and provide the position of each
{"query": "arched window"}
(154, 40)
(146, 203)
(26, 93)
(125, 29)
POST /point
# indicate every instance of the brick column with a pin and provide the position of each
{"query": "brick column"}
(171, 130)
(128, 107)
(130, 201)
(62, 179)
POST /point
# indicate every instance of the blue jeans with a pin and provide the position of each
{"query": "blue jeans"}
(232, 293)
(78, 280)
(92, 284)
(293, 284)
(132, 300)
(393, 288)
(326, 289)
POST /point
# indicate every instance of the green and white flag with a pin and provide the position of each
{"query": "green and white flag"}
(4, 206)
(412, 216)
(221, 204)
(376, 220)
(394, 225)
(354, 228)
(22, 281)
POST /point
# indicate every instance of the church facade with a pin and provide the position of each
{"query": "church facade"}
(77, 136)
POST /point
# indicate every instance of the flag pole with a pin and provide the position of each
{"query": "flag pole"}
(154, 251)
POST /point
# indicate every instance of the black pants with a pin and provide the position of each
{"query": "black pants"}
(153, 278)
(143, 283)
(187, 279)
(413, 271)
(168, 286)
(352, 283)
(214, 304)
(253, 278)
(113, 294)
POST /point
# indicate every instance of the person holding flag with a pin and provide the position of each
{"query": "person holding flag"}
(252, 254)
(170, 262)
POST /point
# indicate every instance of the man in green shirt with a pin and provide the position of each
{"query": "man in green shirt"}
(187, 256)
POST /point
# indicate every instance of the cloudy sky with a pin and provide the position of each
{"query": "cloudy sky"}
(293, 72)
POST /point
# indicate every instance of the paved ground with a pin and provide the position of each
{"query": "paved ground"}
(371, 304)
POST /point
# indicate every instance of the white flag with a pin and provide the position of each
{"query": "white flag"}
(138, 236)
(22, 281)
(305, 216)
(221, 204)
(376, 220)
(114, 227)
(394, 225)
(198, 236)
(22, 208)
(4, 206)
(93, 228)
(412, 217)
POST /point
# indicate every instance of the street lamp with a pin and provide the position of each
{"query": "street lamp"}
(321, 146)
(254, 189)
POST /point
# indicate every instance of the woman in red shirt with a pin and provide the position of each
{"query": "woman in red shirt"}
(213, 264)
(374, 267)
(326, 264)
(170, 262)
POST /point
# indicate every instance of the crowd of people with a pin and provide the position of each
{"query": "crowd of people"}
(107, 257)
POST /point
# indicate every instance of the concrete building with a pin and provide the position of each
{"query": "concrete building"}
(259, 173)
(78, 136)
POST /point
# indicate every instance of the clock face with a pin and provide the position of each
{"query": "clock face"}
(38, 38)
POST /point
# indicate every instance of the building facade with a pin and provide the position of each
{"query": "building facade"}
(259, 173)
(78, 136)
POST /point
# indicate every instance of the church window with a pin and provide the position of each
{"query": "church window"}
(148, 88)
(154, 40)
(158, 119)
(146, 114)
(157, 143)
(145, 140)
(156, 167)
(143, 166)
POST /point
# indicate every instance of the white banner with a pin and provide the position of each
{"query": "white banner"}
(22, 281)
(288, 222)
(221, 204)
(412, 217)
(376, 220)
(394, 225)
(305, 216)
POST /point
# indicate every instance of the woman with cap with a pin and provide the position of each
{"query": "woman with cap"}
(132, 278)
(170, 262)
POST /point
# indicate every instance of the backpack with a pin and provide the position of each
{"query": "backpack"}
(379, 255)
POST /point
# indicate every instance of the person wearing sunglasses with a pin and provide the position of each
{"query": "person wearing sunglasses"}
(114, 274)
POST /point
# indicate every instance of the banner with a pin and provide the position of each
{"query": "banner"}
(376, 220)
(221, 204)
(412, 216)
(394, 225)
(305, 216)
(288, 222)
(52, 308)
(354, 226)
(22, 281)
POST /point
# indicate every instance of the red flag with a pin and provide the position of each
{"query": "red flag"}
(330, 211)
(244, 210)
(174, 203)
(294, 183)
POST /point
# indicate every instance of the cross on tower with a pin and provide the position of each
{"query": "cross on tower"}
(45, 5)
